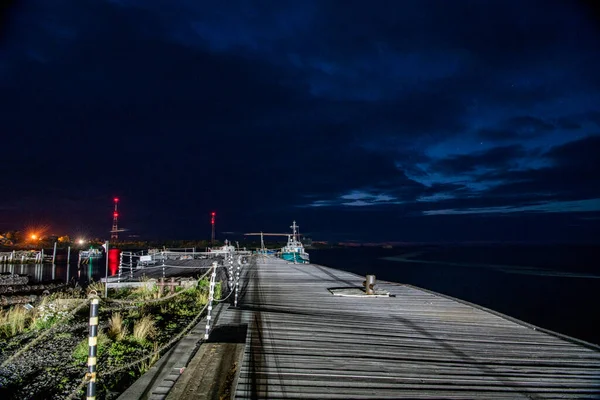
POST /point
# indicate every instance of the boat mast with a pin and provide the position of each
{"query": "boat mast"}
(294, 228)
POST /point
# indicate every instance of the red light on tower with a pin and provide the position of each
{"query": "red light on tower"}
(114, 233)
(212, 222)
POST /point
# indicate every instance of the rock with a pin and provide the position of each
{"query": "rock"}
(10, 300)
(14, 279)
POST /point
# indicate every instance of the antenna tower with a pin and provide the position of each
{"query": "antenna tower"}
(114, 233)
(212, 222)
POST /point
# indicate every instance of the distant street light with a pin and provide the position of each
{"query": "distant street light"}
(81, 241)
(33, 237)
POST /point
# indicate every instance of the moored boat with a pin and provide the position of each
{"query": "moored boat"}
(294, 251)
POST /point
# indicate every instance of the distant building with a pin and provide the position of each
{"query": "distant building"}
(306, 242)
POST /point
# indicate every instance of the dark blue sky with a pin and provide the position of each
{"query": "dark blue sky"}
(366, 120)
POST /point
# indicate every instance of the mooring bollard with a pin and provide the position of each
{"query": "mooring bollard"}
(92, 354)
(211, 294)
(369, 283)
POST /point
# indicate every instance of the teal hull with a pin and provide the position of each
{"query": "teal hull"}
(295, 257)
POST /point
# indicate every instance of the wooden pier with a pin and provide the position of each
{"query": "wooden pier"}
(304, 342)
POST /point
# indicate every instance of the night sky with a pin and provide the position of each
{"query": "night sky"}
(362, 120)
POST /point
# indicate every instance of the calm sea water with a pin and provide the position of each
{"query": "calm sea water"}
(554, 287)
(82, 273)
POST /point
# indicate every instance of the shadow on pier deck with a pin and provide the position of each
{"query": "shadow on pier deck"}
(303, 342)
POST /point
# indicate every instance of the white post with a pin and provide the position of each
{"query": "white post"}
(68, 262)
(211, 295)
(106, 275)
(54, 254)
(230, 283)
(237, 280)
(120, 266)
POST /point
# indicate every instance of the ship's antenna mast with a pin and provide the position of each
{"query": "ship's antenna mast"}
(294, 228)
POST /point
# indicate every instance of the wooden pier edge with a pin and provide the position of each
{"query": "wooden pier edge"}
(558, 335)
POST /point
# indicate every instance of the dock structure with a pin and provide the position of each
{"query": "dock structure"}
(301, 341)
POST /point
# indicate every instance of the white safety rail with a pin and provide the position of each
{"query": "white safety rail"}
(22, 257)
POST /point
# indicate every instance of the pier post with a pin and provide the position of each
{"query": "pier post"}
(230, 270)
(54, 254)
(172, 285)
(120, 267)
(92, 353)
(106, 274)
(237, 280)
(68, 262)
(42, 257)
(211, 295)
(161, 286)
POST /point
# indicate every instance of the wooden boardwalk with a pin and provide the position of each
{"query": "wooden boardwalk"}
(303, 342)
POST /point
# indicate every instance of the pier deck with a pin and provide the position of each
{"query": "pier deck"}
(303, 342)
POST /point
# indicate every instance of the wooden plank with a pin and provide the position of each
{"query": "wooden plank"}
(303, 342)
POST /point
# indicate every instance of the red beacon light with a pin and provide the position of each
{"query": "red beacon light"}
(116, 214)
(116, 199)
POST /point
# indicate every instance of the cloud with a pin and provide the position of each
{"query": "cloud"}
(568, 181)
(588, 205)
(520, 127)
(495, 158)
(279, 107)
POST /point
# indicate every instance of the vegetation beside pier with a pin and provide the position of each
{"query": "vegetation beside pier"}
(43, 347)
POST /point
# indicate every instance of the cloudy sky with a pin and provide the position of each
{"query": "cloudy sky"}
(369, 120)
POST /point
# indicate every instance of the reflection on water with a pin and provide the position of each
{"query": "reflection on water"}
(94, 270)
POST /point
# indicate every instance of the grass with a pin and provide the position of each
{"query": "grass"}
(144, 328)
(97, 287)
(117, 330)
(147, 291)
(14, 321)
(82, 349)
(146, 364)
